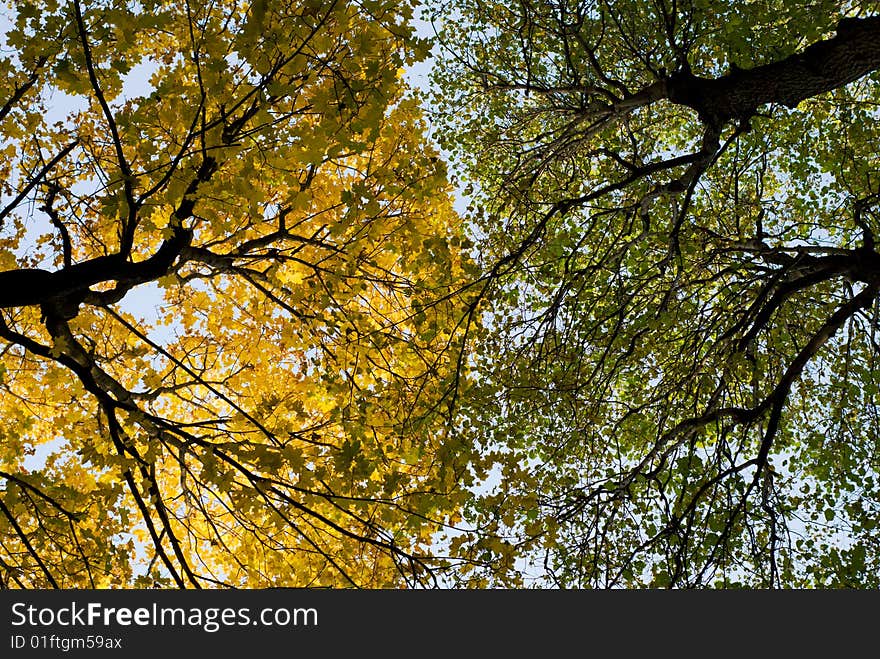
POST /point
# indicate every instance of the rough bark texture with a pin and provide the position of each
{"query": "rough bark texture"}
(821, 67)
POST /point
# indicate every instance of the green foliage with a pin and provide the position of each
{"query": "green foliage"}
(679, 374)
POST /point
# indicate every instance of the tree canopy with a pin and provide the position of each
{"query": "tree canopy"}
(280, 416)
(678, 207)
(247, 340)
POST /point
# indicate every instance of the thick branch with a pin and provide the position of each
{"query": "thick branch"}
(821, 67)
(28, 286)
(70, 285)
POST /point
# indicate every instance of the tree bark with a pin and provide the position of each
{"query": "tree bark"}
(65, 289)
(29, 286)
(826, 65)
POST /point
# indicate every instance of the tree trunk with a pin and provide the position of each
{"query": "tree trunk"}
(821, 67)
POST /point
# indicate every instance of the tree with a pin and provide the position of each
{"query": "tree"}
(677, 203)
(275, 410)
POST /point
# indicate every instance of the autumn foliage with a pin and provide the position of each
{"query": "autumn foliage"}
(274, 409)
